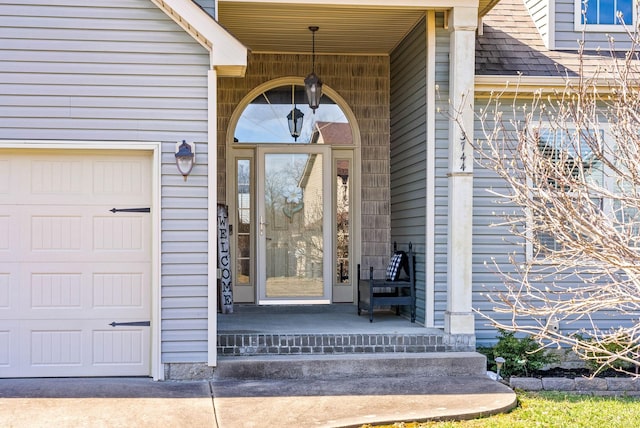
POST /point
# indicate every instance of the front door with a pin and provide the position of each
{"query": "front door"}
(294, 229)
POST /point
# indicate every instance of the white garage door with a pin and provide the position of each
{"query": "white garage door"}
(69, 267)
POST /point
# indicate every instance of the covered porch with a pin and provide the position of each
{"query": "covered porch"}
(324, 329)
(383, 65)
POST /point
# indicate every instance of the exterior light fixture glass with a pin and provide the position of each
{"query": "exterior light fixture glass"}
(185, 157)
(295, 118)
(312, 83)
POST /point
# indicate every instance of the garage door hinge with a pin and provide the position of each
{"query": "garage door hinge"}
(130, 210)
(131, 324)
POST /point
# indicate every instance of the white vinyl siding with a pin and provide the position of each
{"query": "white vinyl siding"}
(120, 70)
(540, 11)
(408, 151)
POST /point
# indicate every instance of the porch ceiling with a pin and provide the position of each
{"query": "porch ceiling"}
(284, 28)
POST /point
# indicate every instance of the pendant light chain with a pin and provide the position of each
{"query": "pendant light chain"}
(313, 49)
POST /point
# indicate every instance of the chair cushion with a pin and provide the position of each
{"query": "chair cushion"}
(398, 262)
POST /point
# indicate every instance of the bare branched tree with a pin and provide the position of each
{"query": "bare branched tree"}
(571, 160)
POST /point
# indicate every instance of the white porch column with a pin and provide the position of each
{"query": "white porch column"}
(212, 207)
(459, 318)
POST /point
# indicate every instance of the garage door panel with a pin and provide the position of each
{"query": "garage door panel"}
(59, 234)
(9, 291)
(5, 232)
(80, 177)
(80, 291)
(66, 348)
(10, 227)
(8, 341)
(120, 346)
(69, 267)
(120, 290)
(5, 176)
(120, 233)
(5, 289)
(121, 181)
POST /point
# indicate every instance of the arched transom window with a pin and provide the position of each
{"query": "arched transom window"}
(282, 115)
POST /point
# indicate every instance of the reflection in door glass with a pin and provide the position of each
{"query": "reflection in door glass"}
(342, 220)
(243, 255)
(293, 200)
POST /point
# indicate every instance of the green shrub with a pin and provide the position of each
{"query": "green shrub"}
(522, 354)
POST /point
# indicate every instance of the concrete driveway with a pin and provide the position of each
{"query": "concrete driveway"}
(140, 402)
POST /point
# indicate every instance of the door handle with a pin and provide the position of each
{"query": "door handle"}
(262, 225)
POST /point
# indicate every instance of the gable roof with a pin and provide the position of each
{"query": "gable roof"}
(511, 45)
(227, 55)
(334, 132)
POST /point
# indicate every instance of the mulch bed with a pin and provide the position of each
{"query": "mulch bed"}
(574, 373)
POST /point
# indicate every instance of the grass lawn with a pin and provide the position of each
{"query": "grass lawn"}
(549, 409)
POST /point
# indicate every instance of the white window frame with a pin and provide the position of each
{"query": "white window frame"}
(610, 28)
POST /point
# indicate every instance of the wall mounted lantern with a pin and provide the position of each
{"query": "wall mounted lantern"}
(185, 157)
(312, 83)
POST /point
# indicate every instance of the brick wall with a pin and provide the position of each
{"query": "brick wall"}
(363, 82)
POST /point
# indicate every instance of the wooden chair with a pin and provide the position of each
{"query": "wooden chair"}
(397, 289)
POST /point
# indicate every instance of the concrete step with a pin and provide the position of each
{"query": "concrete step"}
(351, 366)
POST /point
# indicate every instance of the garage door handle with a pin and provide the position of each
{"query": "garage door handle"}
(130, 210)
(131, 324)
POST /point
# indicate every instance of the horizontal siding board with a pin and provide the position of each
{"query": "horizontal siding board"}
(180, 290)
(183, 335)
(176, 358)
(113, 81)
(158, 127)
(148, 92)
(105, 47)
(90, 69)
(180, 302)
(181, 116)
(175, 281)
(176, 105)
(61, 34)
(119, 58)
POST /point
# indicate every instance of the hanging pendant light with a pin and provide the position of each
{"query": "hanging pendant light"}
(312, 83)
(295, 122)
(295, 117)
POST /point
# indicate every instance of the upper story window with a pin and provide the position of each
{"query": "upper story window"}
(604, 15)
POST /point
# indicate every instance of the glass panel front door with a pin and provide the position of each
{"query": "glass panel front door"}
(294, 241)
